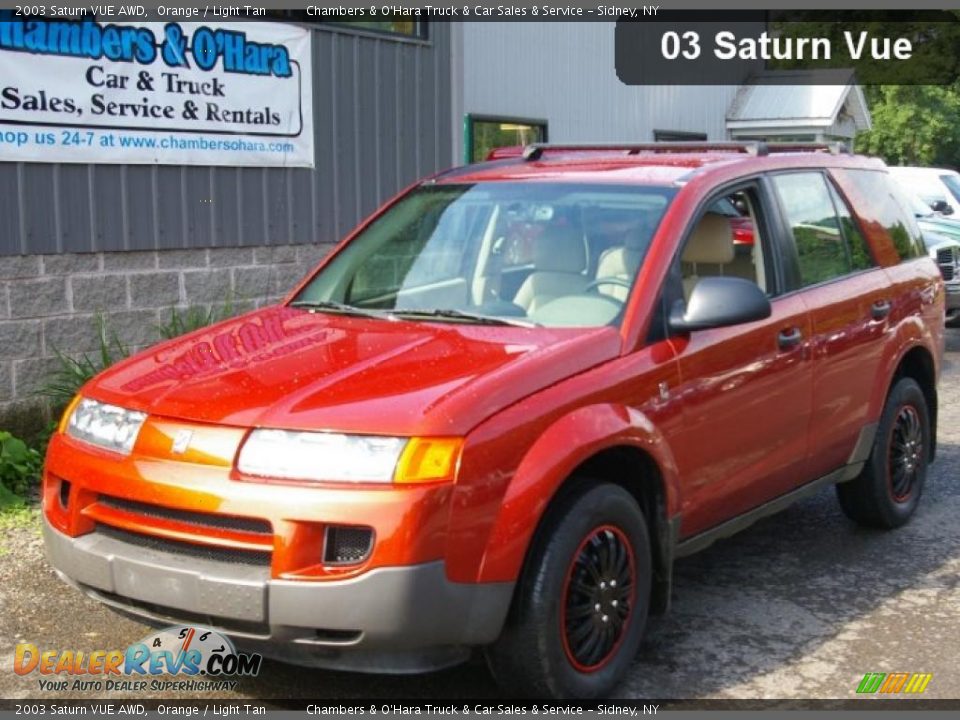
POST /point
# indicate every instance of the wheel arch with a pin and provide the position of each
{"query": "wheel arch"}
(637, 472)
(917, 363)
(605, 443)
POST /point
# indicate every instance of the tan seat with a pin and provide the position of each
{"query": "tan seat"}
(560, 259)
(743, 265)
(622, 263)
(710, 243)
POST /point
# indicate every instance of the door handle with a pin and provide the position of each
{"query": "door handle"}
(789, 338)
(880, 309)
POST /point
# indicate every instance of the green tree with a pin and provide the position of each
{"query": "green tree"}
(915, 121)
(913, 125)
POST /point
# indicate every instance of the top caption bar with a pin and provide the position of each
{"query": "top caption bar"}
(654, 45)
(489, 9)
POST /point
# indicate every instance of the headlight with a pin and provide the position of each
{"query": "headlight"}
(352, 458)
(107, 426)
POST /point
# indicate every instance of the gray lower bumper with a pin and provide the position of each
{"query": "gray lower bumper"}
(403, 619)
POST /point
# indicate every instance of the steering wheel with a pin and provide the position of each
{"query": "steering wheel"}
(608, 281)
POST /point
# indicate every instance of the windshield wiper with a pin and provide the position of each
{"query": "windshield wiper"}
(332, 306)
(477, 318)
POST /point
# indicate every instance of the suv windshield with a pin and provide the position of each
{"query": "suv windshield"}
(953, 185)
(527, 253)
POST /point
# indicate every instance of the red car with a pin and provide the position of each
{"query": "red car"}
(505, 404)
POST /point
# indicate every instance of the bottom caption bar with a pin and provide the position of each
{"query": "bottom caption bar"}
(282, 709)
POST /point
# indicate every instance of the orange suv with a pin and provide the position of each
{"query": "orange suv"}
(499, 410)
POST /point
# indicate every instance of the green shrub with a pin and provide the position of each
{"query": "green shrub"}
(72, 372)
(41, 439)
(10, 504)
(184, 320)
(19, 464)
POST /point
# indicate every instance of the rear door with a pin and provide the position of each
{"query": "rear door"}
(849, 299)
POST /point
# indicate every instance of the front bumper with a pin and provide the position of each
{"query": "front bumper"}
(389, 619)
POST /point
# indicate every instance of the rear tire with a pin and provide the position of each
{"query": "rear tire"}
(887, 491)
(582, 601)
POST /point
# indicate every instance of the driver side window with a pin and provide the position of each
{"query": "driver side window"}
(728, 239)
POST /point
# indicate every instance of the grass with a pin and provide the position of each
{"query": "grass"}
(16, 513)
(10, 503)
(184, 320)
(73, 372)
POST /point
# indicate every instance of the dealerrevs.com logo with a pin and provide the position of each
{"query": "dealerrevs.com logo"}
(203, 660)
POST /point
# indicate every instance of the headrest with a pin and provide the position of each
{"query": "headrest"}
(711, 241)
(637, 238)
(560, 248)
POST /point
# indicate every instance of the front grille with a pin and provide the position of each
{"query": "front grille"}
(198, 519)
(186, 549)
(347, 545)
(947, 260)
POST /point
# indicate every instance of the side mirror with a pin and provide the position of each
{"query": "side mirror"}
(942, 207)
(718, 302)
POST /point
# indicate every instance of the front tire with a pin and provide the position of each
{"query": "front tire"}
(887, 491)
(582, 601)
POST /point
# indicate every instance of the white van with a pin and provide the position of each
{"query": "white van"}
(937, 187)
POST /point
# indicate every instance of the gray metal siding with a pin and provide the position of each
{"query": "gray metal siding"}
(381, 109)
(566, 76)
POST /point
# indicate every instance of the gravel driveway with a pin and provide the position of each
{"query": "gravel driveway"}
(801, 605)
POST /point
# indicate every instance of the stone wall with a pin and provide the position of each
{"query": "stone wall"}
(49, 303)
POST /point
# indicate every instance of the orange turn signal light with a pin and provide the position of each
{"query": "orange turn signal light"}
(426, 460)
(65, 418)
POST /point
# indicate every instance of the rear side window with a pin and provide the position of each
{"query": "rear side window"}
(822, 252)
(884, 211)
(856, 243)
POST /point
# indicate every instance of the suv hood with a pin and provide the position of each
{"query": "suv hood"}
(289, 368)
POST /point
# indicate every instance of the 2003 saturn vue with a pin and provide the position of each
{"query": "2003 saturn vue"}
(493, 417)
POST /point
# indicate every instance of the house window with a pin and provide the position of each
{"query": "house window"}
(678, 136)
(483, 134)
(414, 29)
(409, 28)
(776, 138)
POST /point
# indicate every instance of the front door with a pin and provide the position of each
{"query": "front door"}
(746, 390)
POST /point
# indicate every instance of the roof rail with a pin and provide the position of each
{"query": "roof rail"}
(536, 151)
(834, 148)
(755, 148)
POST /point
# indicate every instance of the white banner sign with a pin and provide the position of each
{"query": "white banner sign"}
(169, 93)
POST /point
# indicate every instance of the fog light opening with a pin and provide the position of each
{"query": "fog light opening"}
(345, 545)
(64, 494)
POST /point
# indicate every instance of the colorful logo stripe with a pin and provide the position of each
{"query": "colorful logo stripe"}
(890, 683)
